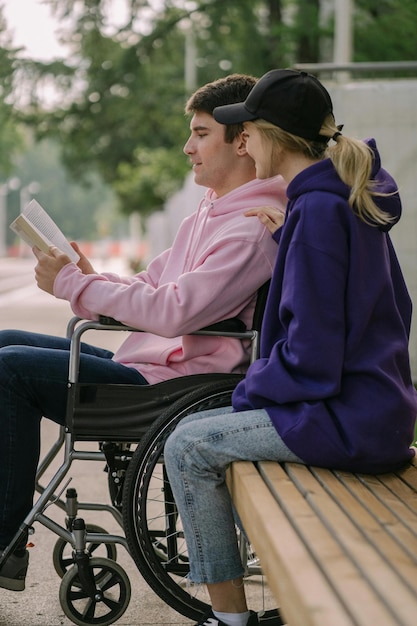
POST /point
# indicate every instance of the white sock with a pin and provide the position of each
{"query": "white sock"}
(233, 619)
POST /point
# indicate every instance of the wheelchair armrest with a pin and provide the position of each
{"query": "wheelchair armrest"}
(109, 321)
(231, 325)
(71, 326)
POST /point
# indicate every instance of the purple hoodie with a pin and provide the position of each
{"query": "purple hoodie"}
(334, 373)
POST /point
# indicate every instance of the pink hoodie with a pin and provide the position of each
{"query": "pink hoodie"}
(217, 262)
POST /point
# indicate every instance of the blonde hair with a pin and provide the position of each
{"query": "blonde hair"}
(351, 158)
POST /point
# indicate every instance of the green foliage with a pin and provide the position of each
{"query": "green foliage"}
(128, 104)
(153, 177)
(127, 119)
(385, 30)
(306, 31)
(10, 139)
(121, 92)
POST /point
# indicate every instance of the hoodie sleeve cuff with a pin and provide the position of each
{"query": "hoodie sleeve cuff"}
(64, 281)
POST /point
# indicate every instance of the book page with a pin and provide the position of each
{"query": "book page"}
(45, 227)
(30, 234)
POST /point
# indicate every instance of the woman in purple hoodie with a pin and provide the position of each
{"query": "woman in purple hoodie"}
(332, 386)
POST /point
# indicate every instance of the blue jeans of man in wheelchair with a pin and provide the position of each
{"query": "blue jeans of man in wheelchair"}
(33, 384)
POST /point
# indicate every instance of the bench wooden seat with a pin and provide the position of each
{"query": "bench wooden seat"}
(336, 548)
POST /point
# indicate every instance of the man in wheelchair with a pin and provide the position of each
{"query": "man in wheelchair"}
(212, 271)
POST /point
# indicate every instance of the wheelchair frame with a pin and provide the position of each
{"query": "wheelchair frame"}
(99, 576)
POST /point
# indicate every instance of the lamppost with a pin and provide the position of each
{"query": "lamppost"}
(12, 184)
(343, 36)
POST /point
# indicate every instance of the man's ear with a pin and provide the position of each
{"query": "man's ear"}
(241, 144)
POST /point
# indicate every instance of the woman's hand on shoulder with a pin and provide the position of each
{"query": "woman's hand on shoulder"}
(269, 216)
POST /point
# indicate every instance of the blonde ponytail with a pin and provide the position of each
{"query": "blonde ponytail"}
(353, 160)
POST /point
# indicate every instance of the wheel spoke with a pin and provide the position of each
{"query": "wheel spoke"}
(112, 604)
(90, 610)
(110, 582)
(78, 594)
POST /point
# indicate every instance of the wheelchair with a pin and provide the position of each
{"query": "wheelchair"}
(131, 423)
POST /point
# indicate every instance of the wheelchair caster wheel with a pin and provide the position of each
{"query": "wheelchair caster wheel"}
(63, 558)
(110, 600)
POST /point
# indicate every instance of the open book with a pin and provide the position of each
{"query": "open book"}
(35, 227)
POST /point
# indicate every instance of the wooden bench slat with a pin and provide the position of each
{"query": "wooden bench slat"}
(396, 494)
(409, 475)
(344, 576)
(305, 595)
(347, 529)
(398, 522)
(337, 548)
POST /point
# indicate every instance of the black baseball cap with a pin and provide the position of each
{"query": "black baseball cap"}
(295, 101)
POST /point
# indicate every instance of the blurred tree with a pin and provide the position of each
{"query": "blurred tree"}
(385, 30)
(10, 138)
(122, 90)
(124, 102)
(127, 118)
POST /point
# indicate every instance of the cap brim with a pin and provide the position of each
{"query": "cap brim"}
(233, 114)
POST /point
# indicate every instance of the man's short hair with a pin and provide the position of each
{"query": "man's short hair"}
(227, 90)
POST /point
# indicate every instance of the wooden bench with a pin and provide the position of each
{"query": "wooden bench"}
(337, 549)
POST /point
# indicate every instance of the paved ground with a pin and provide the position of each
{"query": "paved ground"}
(22, 305)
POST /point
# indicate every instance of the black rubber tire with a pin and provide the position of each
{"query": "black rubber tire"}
(147, 544)
(114, 585)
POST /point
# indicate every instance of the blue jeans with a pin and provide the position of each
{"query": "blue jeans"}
(33, 384)
(196, 456)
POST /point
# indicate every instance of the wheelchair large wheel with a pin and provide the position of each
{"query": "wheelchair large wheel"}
(152, 525)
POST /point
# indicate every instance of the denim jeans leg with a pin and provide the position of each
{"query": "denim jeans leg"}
(33, 384)
(197, 455)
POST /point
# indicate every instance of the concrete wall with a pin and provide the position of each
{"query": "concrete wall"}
(387, 111)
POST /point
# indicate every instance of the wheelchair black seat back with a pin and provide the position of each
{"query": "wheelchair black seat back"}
(130, 423)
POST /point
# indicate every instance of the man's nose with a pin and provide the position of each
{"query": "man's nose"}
(188, 147)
